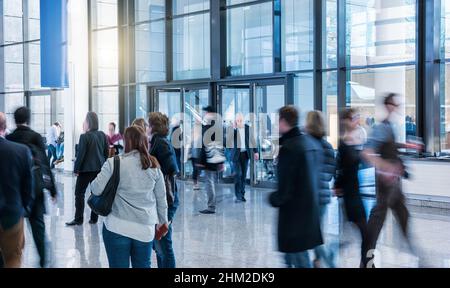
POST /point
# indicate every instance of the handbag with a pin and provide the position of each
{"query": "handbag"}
(102, 204)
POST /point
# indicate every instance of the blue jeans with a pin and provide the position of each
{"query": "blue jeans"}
(120, 249)
(298, 260)
(165, 255)
(323, 252)
(52, 155)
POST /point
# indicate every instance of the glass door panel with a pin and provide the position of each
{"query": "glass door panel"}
(234, 100)
(41, 113)
(268, 99)
(194, 102)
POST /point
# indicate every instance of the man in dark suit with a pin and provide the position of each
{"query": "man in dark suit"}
(25, 135)
(16, 197)
(298, 189)
(243, 146)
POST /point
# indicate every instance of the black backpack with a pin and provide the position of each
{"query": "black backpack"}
(42, 175)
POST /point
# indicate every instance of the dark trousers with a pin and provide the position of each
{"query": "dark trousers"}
(52, 157)
(389, 195)
(37, 225)
(195, 169)
(240, 175)
(83, 181)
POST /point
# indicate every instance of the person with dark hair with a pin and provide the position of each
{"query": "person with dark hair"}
(93, 150)
(347, 181)
(43, 177)
(16, 197)
(315, 126)
(382, 153)
(163, 151)
(299, 170)
(52, 142)
(115, 140)
(211, 156)
(140, 204)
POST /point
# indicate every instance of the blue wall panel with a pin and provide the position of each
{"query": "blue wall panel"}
(54, 62)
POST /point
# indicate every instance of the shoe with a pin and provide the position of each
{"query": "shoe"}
(207, 211)
(93, 222)
(74, 223)
(239, 201)
(196, 187)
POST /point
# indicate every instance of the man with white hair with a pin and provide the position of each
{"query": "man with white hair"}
(16, 197)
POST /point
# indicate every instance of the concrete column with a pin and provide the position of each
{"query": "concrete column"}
(76, 97)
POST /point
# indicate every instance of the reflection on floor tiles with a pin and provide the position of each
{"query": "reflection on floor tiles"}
(242, 235)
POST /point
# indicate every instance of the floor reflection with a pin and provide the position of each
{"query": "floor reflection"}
(241, 235)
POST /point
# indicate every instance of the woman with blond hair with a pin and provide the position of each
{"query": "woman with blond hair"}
(315, 126)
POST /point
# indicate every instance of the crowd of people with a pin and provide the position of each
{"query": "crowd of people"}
(147, 196)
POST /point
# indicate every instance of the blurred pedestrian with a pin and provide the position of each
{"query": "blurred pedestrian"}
(43, 177)
(382, 152)
(299, 172)
(347, 181)
(315, 126)
(212, 155)
(16, 197)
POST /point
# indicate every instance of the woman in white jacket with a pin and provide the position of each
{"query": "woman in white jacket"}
(140, 207)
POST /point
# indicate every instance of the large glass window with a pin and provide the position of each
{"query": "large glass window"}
(105, 59)
(189, 6)
(150, 52)
(249, 39)
(304, 94)
(330, 106)
(149, 10)
(445, 78)
(191, 45)
(367, 88)
(381, 31)
(330, 38)
(297, 34)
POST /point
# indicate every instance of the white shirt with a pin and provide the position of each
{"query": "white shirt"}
(52, 135)
(241, 144)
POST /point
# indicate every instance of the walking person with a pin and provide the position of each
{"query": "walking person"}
(195, 153)
(299, 170)
(315, 126)
(16, 197)
(382, 153)
(243, 149)
(93, 150)
(212, 156)
(163, 151)
(43, 177)
(139, 211)
(347, 181)
(52, 143)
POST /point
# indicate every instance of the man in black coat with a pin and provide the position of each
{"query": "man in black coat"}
(243, 148)
(16, 197)
(299, 167)
(25, 135)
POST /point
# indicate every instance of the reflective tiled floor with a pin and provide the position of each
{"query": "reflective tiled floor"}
(242, 235)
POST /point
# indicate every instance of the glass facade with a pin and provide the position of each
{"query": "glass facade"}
(20, 69)
(105, 59)
(249, 39)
